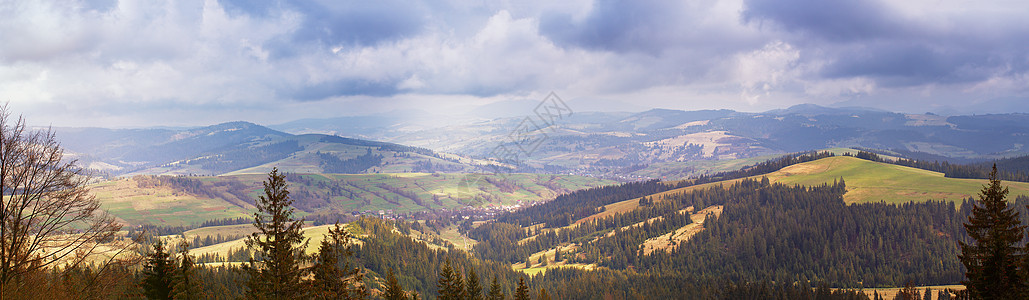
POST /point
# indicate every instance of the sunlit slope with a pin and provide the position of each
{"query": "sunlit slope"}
(134, 204)
(867, 181)
(173, 201)
(872, 182)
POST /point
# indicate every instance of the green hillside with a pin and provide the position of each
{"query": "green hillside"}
(867, 181)
(172, 200)
(872, 182)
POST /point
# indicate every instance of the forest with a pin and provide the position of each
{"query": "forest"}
(768, 240)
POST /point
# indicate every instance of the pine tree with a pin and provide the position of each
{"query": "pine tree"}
(450, 285)
(495, 292)
(543, 295)
(334, 279)
(186, 285)
(992, 260)
(393, 290)
(158, 272)
(274, 271)
(473, 288)
(522, 292)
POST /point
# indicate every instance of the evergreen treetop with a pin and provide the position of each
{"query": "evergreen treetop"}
(393, 290)
(992, 259)
(495, 292)
(274, 271)
(158, 272)
(450, 284)
(522, 292)
(473, 288)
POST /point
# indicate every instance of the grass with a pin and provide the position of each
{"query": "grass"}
(226, 230)
(673, 239)
(675, 170)
(867, 181)
(134, 203)
(873, 182)
(889, 293)
(314, 234)
(452, 235)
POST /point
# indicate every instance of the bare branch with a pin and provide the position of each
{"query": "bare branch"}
(47, 214)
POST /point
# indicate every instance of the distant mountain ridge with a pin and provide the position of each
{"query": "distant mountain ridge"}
(240, 148)
(613, 145)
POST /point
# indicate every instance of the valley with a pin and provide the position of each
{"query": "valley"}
(190, 200)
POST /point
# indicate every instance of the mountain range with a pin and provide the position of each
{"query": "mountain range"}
(609, 144)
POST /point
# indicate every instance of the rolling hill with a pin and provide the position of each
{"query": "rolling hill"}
(181, 200)
(247, 148)
(866, 181)
(650, 144)
(801, 214)
(656, 144)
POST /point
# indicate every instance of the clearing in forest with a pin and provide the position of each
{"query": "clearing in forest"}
(670, 241)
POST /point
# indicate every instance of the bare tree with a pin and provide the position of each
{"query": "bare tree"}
(48, 217)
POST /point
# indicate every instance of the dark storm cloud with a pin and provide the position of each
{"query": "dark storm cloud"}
(646, 26)
(901, 64)
(348, 87)
(843, 20)
(873, 40)
(337, 23)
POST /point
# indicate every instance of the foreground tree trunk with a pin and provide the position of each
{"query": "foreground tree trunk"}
(47, 215)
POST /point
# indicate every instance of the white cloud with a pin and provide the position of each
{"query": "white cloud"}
(762, 71)
(132, 63)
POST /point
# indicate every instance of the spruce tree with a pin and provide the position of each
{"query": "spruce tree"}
(393, 290)
(186, 284)
(543, 295)
(473, 288)
(334, 279)
(992, 259)
(158, 272)
(495, 292)
(522, 292)
(449, 284)
(274, 272)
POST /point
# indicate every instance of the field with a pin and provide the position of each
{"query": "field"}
(673, 239)
(315, 234)
(226, 230)
(135, 205)
(538, 268)
(873, 182)
(676, 170)
(867, 181)
(889, 293)
(178, 201)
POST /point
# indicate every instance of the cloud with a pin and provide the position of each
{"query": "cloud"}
(107, 60)
(843, 20)
(333, 24)
(761, 71)
(900, 45)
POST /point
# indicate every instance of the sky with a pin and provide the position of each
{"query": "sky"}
(123, 63)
